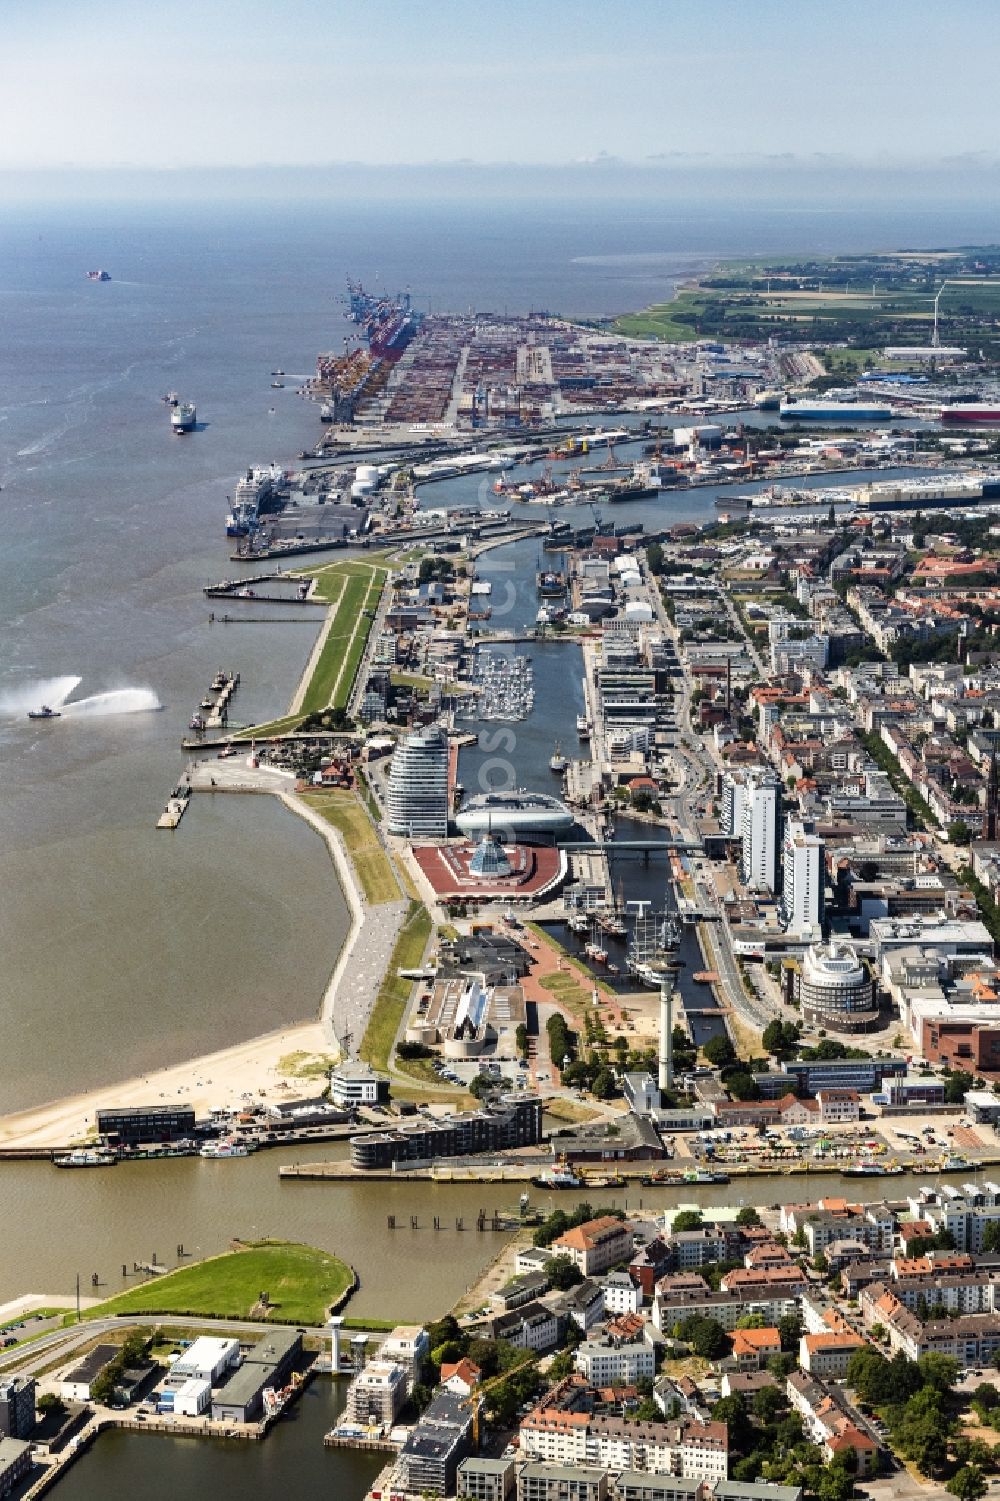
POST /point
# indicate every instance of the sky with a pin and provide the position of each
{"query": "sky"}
(99, 84)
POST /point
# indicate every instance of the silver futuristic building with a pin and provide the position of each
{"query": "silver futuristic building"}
(418, 786)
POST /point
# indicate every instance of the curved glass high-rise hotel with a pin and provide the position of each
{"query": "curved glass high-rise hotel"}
(418, 786)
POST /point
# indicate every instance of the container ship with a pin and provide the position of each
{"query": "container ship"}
(183, 416)
(519, 813)
(971, 412)
(835, 411)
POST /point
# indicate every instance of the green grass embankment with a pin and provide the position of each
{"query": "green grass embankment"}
(370, 861)
(390, 1004)
(301, 1282)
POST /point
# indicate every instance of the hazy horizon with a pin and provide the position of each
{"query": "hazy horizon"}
(246, 83)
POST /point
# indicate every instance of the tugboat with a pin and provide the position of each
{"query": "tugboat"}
(557, 1177)
(557, 761)
(44, 713)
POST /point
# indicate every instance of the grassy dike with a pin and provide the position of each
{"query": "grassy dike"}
(301, 1283)
(390, 1005)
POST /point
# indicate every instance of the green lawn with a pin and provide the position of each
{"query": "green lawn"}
(370, 861)
(390, 1004)
(300, 1281)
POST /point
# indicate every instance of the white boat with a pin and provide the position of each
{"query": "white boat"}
(583, 726)
(557, 761)
(86, 1157)
(225, 1149)
(558, 1177)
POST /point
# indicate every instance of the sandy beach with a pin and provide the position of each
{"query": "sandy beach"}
(216, 1080)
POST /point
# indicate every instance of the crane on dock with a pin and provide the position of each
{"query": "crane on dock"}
(474, 1399)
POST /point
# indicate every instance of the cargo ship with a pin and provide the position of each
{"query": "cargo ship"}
(935, 492)
(183, 415)
(520, 813)
(970, 412)
(835, 411)
(98, 276)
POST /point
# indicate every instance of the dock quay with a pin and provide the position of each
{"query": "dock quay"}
(176, 807)
(213, 711)
(249, 589)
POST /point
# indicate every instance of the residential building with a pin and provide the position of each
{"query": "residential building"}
(537, 1482)
(513, 1121)
(354, 1083)
(621, 1294)
(605, 1364)
(408, 1346)
(686, 1447)
(830, 1421)
(827, 1354)
(485, 1479)
(596, 1245)
(15, 1462)
(759, 831)
(803, 879)
(429, 1459)
(461, 1376)
(417, 792)
(17, 1406)
(376, 1395)
(753, 1348)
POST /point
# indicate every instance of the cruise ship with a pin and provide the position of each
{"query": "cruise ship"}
(520, 814)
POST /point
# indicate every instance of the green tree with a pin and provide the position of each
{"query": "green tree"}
(49, 1404)
(742, 1086)
(968, 1484)
(604, 1084)
(790, 1331)
(767, 1403)
(686, 1219)
(956, 1087)
(748, 1216)
(521, 1039)
(719, 1051)
(706, 1337)
(733, 1412)
(562, 1272)
(781, 1366)
(991, 1237)
(938, 1371)
(447, 1354)
(959, 833)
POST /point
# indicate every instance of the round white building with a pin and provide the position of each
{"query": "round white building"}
(835, 989)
